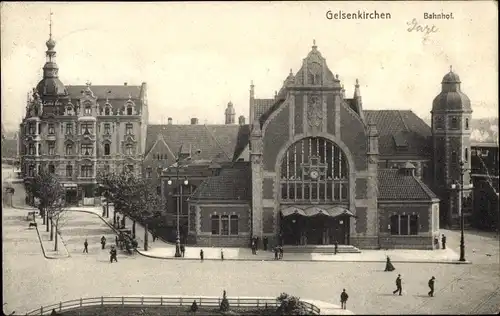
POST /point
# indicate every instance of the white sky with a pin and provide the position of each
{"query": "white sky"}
(196, 57)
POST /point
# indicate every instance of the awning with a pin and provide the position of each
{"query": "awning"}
(316, 210)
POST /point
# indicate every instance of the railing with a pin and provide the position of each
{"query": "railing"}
(165, 301)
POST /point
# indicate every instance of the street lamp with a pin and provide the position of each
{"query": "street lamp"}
(460, 187)
(179, 205)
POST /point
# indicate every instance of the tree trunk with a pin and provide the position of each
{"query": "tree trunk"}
(47, 221)
(51, 230)
(42, 214)
(146, 237)
(56, 239)
(114, 217)
(133, 228)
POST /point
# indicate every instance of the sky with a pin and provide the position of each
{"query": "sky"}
(196, 57)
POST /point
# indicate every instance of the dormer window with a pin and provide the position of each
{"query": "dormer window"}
(87, 110)
(107, 110)
(400, 142)
(454, 123)
(69, 110)
(129, 110)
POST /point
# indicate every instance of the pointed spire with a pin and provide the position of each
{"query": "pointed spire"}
(50, 25)
(357, 93)
(314, 44)
(451, 68)
(291, 72)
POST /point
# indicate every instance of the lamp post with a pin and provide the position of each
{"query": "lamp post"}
(460, 187)
(179, 205)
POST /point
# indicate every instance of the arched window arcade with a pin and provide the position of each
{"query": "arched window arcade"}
(314, 169)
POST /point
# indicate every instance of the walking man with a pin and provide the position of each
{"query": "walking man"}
(265, 241)
(275, 253)
(183, 250)
(443, 241)
(201, 255)
(112, 254)
(222, 254)
(336, 247)
(399, 288)
(103, 242)
(281, 252)
(85, 246)
(343, 299)
(431, 286)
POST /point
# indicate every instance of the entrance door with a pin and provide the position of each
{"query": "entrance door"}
(340, 230)
(292, 229)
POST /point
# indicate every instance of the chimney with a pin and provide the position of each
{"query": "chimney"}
(194, 121)
(125, 83)
(169, 121)
(241, 120)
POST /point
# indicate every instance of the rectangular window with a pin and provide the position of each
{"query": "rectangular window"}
(403, 224)
(215, 225)
(129, 128)
(394, 225)
(32, 150)
(87, 110)
(224, 225)
(52, 148)
(87, 149)
(51, 129)
(86, 171)
(69, 129)
(32, 129)
(39, 128)
(69, 149)
(87, 128)
(69, 171)
(233, 224)
(414, 225)
(148, 172)
(107, 129)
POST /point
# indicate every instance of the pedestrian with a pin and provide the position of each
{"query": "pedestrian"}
(343, 299)
(183, 250)
(265, 241)
(222, 254)
(118, 221)
(201, 254)
(53, 312)
(275, 253)
(431, 286)
(281, 252)
(336, 247)
(116, 240)
(85, 246)
(254, 251)
(443, 241)
(436, 242)
(388, 265)
(112, 254)
(399, 288)
(103, 242)
(154, 236)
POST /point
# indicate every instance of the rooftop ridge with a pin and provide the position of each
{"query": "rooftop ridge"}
(403, 120)
(216, 141)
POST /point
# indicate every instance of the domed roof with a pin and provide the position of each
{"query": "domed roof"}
(453, 100)
(50, 44)
(51, 87)
(451, 77)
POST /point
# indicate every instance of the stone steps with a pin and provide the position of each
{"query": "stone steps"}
(329, 249)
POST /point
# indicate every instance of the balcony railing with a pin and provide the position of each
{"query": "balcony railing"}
(165, 301)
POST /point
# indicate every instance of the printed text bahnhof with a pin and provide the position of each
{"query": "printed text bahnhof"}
(357, 15)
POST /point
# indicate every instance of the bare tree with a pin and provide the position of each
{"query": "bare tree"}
(57, 214)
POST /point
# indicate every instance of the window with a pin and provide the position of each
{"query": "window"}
(129, 110)
(454, 157)
(224, 225)
(52, 169)
(466, 154)
(107, 129)
(314, 169)
(52, 148)
(439, 122)
(158, 190)
(69, 171)
(233, 224)
(466, 123)
(32, 129)
(454, 123)
(87, 128)
(39, 149)
(86, 171)
(128, 150)
(215, 225)
(148, 172)
(414, 225)
(31, 171)
(87, 149)
(107, 150)
(106, 110)
(128, 128)
(404, 225)
(39, 128)
(69, 129)
(32, 149)
(69, 149)
(87, 110)
(51, 129)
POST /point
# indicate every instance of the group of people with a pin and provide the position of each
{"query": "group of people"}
(399, 287)
(278, 252)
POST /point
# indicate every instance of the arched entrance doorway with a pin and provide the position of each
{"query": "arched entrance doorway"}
(314, 194)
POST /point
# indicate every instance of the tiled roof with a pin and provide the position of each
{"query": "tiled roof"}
(393, 185)
(111, 92)
(404, 127)
(263, 118)
(261, 106)
(224, 142)
(233, 184)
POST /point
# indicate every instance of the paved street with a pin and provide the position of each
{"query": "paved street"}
(30, 280)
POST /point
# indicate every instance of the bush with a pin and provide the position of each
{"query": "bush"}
(290, 305)
(224, 304)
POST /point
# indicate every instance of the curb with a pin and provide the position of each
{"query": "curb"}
(303, 260)
(43, 247)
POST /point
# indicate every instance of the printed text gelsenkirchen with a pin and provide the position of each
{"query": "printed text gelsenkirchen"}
(359, 15)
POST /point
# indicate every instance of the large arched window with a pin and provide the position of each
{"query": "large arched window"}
(314, 170)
